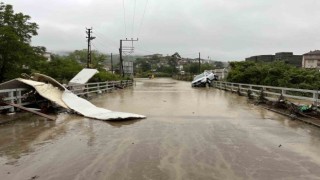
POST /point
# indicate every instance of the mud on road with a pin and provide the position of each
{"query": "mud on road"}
(189, 133)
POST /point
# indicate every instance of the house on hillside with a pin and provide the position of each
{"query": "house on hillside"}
(153, 56)
(47, 55)
(311, 59)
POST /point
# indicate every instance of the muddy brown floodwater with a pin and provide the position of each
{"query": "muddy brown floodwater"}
(189, 133)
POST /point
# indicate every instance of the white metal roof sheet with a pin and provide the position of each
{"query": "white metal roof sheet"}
(83, 76)
(87, 109)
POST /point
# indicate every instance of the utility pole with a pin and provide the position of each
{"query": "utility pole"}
(111, 64)
(125, 49)
(199, 64)
(89, 37)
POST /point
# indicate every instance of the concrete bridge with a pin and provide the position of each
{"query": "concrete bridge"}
(188, 134)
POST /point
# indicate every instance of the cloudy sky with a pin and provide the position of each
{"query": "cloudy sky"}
(222, 30)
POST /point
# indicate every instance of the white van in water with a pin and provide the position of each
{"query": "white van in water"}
(202, 79)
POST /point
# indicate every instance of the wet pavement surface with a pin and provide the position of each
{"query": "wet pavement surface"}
(189, 133)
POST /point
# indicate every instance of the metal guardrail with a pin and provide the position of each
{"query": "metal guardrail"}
(16, 96)
(99, 87)
(13, 96)
(270, 91)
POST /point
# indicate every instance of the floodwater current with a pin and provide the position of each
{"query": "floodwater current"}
(189, 133)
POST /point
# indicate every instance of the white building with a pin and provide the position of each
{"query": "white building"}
(48, 56)
(311, 59)
(221, 73)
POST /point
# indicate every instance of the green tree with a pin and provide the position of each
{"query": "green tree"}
(274, 74)
(62, 68)
(206, 66)
(173, 62)
(98, 58)
(192, 68)
(16, 53)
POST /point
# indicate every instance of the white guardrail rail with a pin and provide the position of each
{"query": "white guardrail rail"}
(19, 95)
(99, 87)
(270, 92)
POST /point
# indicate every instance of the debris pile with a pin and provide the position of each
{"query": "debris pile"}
(51, 90)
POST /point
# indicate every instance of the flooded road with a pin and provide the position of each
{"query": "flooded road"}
(188, 134)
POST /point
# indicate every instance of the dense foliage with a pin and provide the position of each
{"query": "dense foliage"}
(167, 66)
(64, 68)
(274, 74)
(16, 54)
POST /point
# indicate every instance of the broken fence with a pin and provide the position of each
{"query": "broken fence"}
(19, 95)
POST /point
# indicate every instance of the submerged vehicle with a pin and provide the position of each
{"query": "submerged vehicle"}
(203, 79)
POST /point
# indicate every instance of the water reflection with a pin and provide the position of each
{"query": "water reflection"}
(16, 138)
(21, 136)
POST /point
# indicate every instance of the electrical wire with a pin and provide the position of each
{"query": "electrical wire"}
(124, 19)
(134, 13)
(144, 11)
(105, 38)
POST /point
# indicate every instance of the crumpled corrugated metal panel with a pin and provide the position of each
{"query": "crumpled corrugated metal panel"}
(87, 109)
(48, 91)
(61, 96)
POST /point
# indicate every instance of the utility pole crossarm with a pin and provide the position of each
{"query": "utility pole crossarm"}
(125, 49)
(89, 57)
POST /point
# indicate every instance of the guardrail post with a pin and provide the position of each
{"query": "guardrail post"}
(262, 95)
(283, 92)
(98, 87)
(18, 95)
(315, 98)
(249, 92)
(10, 94)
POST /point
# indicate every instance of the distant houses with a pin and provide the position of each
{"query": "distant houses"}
(310, 60)
(287, 57)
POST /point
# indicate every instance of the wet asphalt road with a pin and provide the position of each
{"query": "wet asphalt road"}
(188, 134)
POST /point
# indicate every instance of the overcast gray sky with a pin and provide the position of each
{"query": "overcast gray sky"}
(222, 30)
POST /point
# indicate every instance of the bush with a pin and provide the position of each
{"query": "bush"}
(273, 74)
(105, 76)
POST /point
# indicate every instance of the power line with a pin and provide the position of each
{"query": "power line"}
(111, 46)
(134, 13)
(144, 11)
(96, 47)
(124, 19)
(146, 51)
(106, 38)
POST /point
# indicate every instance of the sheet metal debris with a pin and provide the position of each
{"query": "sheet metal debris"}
(83, 76)
(53, 91)
(87, 109)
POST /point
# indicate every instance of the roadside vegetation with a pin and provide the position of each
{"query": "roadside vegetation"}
(166, 66)
(274, 74)
(18, 56)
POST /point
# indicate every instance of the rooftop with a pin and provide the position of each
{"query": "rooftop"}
(315, 52)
